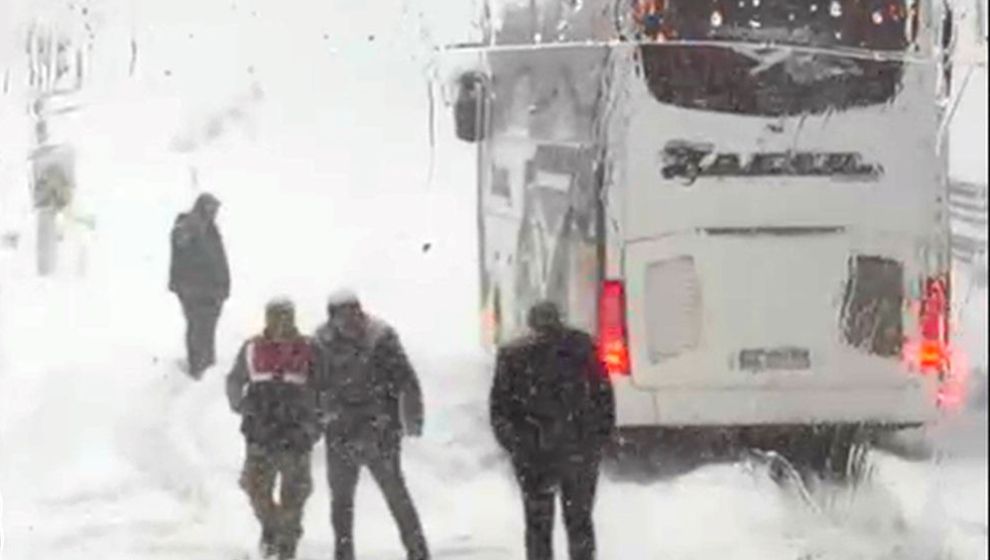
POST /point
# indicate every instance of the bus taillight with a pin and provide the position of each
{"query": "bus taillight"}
(613, 343)
(933, 351)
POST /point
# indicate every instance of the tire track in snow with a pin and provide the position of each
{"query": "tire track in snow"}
(897, 510)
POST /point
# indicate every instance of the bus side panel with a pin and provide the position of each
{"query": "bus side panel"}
(539, 202)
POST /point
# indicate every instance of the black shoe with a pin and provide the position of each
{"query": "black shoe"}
(419, 553)
(267, 546)
(287, 550)
(198, 371)
(343, 552)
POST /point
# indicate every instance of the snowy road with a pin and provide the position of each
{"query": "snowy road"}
(134, 461)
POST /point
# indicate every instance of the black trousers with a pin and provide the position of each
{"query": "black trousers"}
(202, 314)
(344, 462)
(576, 479)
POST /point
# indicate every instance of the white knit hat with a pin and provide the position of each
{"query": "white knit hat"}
(342, 296)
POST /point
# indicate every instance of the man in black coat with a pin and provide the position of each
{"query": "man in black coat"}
(370, 398)
(199, 275)
(553, 411)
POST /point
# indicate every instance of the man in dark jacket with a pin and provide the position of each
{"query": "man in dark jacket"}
(273, 387)
(200, 277)
(553, 410)
(370, 397)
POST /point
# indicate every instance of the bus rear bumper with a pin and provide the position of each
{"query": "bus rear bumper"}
(909, 404)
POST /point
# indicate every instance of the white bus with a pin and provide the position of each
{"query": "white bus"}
(744, 199)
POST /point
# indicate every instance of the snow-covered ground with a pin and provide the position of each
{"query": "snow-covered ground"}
(315, 133)
(109, 452)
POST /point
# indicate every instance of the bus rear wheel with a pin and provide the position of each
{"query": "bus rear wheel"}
(834, 453)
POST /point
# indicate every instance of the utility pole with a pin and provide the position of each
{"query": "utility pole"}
(55, 75)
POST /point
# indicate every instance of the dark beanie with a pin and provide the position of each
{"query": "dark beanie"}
(544, 317)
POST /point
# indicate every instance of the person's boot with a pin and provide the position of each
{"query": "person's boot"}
(343, 551)
(267, 547)
(287, 549)
(419, 552)
(197, 370)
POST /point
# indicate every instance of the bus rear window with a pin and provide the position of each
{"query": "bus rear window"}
(871, 317)
(781, 83)
(888, 25)
(730, 55)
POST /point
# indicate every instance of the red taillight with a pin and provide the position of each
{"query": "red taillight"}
(933, 351)
(931, 355)
(613, 347)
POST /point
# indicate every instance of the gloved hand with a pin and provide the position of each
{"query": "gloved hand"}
(414, 429)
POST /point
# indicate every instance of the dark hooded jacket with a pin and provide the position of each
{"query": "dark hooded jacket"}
(199, 267)
(369, 389)
(551, 397)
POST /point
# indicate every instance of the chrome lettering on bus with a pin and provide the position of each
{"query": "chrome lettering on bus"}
(689, 161)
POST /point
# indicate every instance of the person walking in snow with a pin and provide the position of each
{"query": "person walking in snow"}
(371, 398)
(273, 387)
(200, 276)
(553, 410)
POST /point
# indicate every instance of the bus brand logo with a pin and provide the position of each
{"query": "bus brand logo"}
(688, 161)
